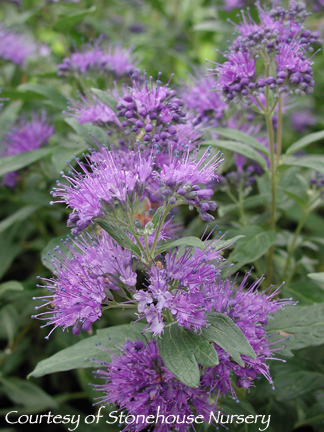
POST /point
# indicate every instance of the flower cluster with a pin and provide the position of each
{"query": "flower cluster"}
(17, 47)
(85, 277)
(114, 60)
(26, 136)
(280, 42)
(138, 381)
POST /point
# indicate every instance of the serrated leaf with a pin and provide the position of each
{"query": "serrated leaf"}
(18, 216)
(120, 236)
(105, 98)
(76, 356)
(304, 325)
(10, 286)
(240, 148)
(21, 160)
(305, 141)
(224, 332)
(241, 137)
(177, 357)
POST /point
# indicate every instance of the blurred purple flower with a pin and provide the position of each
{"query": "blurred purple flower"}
(16, 47)
(300, 120)
(26, 136)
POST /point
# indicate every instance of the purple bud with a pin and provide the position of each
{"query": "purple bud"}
(282, 74)
(156, 137)
(172, 130)
(142, 111)
(128, 98)
(172, 200)
(139, 123)
(129, 114)
(270, 80)
(86, 325)
(147, 137)
(205, 194)
(181, 191)
(148, 127)
(163, 135)
(153, 115)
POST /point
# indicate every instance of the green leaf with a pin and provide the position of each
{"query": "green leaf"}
(224, 332)
(62, 153)
(25, 393)
(18, 216)
(240, 148)
(21, 160)
(314, 162)
(10, 286)
(291, 384)
(204, 352)
(53, 96)
(185, 241)
(304, 325)
(177, 357)
(105, 98)
(241, 137)
(305, 141)
(256, 243)
(67, 23)
(222, 244)
(88, 131)
(157, 216)
(317, 276)
(77, 356)
(120, 236)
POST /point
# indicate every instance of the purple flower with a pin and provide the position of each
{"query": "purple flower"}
(250, 309)
(92, 110)
(181, 176)
(27, 136)
(302, 119)
(138, 381)
(118, 178)
(93, 57)
(83, 281)
(199, 95)
(16, 47)
(233, 4)
(176, 286)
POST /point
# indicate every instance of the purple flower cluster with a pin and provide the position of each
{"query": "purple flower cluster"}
(118, 180)
(138, 381)
(84, 278)
(16, 47)
(94, 57)
(26, 136)
(280, 42)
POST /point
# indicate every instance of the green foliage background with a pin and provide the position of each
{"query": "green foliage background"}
(171, 36)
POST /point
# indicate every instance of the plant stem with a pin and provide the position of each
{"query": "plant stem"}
(279, 131)
(268, 117)
(292, 247)
(164, 215)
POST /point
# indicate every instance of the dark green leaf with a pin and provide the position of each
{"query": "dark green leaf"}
(240, 148)
(291, 384)
(18, 216)
(120, 236)
(204, 352)
(25, 393)
(177, 357)
(241, 137)
(76, 356)
(67, 23)
(10, 286)
(21, 160)
(304, 325)
(88, 131)
(225, 333)
(49, 249)
(62, 153)
(305, 141)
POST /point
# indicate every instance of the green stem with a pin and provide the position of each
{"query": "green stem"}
(241, 206)
(292, 247)
(279, 132)
(165, 213)
(268, 117)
